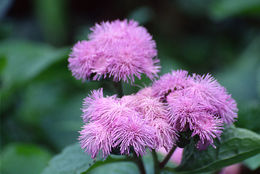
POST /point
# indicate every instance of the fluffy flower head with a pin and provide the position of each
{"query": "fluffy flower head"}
(117, 49)
(170, 82)
(96, 106)
(134, 133)
(196, 103)
(205, 88)
(94, 138)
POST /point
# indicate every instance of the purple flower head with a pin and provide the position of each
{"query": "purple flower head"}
(94, 138)
(133, 133)
(133, 122)
(207, 128)
(147, 91)
(96, 106)
(81, 60)
(118, 49)
(183, 111)
(201, 106)
(208, 90)
(155, 114)
(189, 113)
(165, 133)
(170, 82)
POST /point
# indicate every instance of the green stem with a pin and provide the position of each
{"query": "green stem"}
(166, 159)
(139, 163)
(155, 162)
(118, 89)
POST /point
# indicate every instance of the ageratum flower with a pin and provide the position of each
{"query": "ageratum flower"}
(134, 122)
(117, 49)
(134, 133)
(155, 114)
(94, 138)
(170, 82)
(165, 133)
(82, 58)
(207, 89)
(97, 107)
(198, 104)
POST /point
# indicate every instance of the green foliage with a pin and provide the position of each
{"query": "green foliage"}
(23, 158)
(226, 8)
(245, 67)
(72, 160)
(25, 60)
(236, 145)
(51, 15)
(249, 116)
(253, 162)
(111, 168)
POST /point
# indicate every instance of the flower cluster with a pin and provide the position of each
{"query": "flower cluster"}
(198, 104)
(155, 117)
(133, 122)
(118, 49)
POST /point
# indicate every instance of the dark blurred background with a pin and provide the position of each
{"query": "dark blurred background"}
(41, 101)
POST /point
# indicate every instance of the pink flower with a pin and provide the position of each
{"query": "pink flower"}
(125, 125)
(94, 138)
(191, 113)
(118, 49)
(170, 82)
(183, 111)
(96, 106)
(165, 133)
(151, 108)
(134, 133)
(207, 89)
(147, 91)
(155, 114)
(81, 60)
(207, 127)
(200, 105)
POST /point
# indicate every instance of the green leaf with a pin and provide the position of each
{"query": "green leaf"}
(111, 168)
(249, 116)
(64, 121)
(72, 160)
(125, 165)
(110, 159)
(25, 60)
(244, 68)
(23, 158)
(235, 146)
(225, 8)
(253, 162)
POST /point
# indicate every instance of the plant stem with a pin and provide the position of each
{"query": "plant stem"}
(155, 162)
(140, 164)
(166, 159)
(119, 89)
